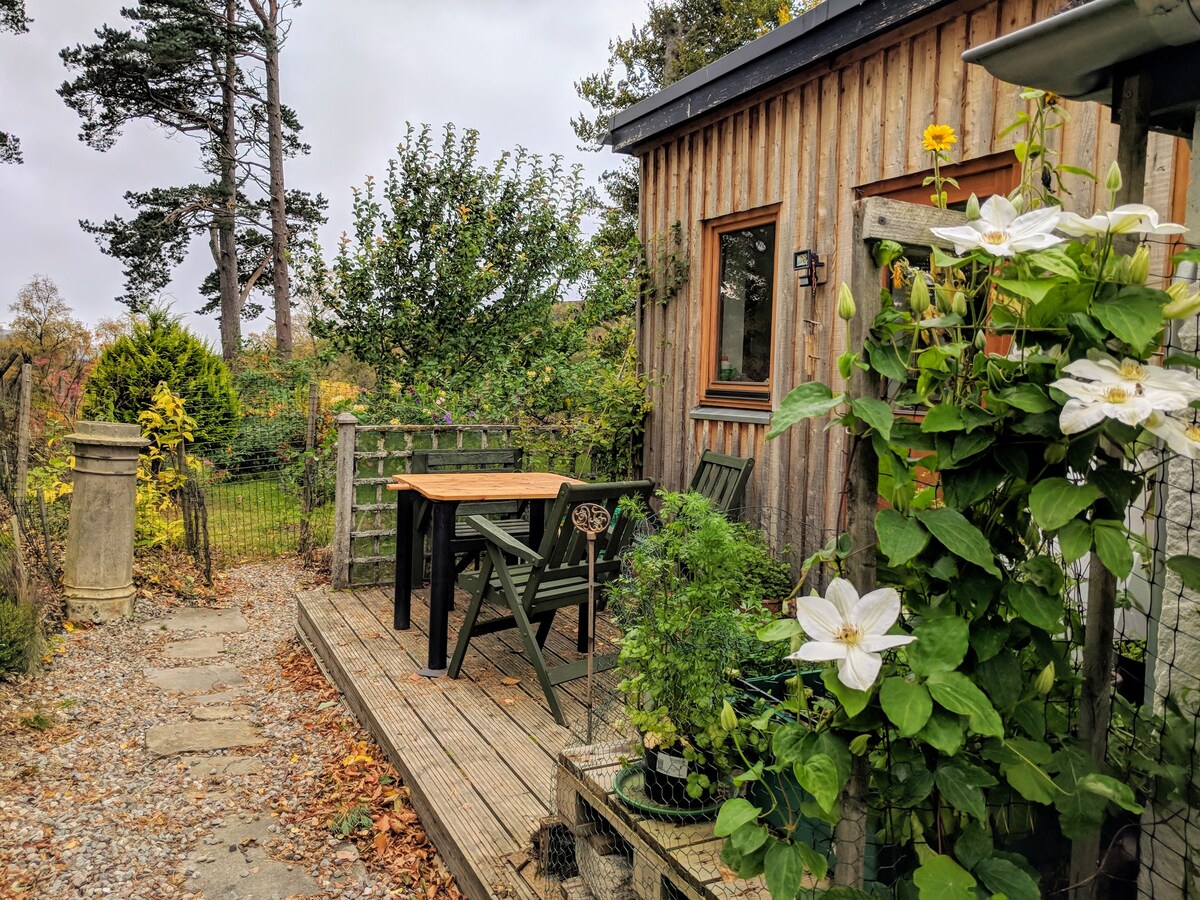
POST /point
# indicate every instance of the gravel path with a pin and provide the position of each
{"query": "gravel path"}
(88, 809)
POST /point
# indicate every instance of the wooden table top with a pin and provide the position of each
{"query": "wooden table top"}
(466, 486)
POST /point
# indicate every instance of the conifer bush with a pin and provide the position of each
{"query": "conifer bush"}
(161, 349)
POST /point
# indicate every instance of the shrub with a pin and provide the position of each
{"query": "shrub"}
(161, 350)
(20, 629)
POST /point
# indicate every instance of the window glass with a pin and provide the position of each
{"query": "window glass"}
(745, 292)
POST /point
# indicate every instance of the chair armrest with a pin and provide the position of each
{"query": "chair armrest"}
(503, 539)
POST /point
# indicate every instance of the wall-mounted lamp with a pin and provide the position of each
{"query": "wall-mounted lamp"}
(809, 268)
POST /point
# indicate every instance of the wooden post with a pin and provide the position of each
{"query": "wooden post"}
(1132, 146)
(310, 469)
(343, 500)
(24, 401)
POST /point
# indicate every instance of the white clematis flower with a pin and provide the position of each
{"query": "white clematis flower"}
(1093, 401)
(1180, 438)
(999, 231)
(1164, 389)
(1130, 218)
(851, 630)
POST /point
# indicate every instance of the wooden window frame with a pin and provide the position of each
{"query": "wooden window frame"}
(739, 395)
(983, 176)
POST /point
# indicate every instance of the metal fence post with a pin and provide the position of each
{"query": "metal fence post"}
(343, 502)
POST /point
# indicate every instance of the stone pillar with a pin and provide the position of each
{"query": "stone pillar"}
(98, 573)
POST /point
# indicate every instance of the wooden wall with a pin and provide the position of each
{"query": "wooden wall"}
(807, 144)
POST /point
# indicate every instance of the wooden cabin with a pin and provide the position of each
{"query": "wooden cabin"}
(760, 157)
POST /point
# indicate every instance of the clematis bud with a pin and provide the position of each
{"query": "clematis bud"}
(1139, 265)
(1056, 452)
(845, 304)
(1112, 181)
(958, 304)
(941, 297)
(972, 208)
(1045, 680)
(1185, 301)
(980, 340)
(918, 297)
(858, 746)
(728, 717)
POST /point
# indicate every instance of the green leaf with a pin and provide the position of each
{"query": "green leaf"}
(900, 538)
(1055, 501)
(987, 638)
(941, 878)
(944, 732)
(749, 838)
(940, 646)
(875, 413)
(1055, 260)
(780, 630)
(1112, 546)
(965, 487)
(959, 786)
(1074, 540)
(1191, 255)
(1188, 570)
(1001, 678)
(1034, 289)
(734, 814)
(906, 703)
(784, 868)
(1000, 876)
(1111, 790)
(803, 402)
(943, 417)
(959, 536)
(887, 360)
(790, 743)
(816, 863)
(819, 776)
(1022, 763)
(955, 692)
(973, 844)
(1027, 397)
(1134, 315)
(886, 252)
(1080, 812)
(1076, 170)
(1035, 606)
(852, 701)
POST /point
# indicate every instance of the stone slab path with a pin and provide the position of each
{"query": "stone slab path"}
(179, 759)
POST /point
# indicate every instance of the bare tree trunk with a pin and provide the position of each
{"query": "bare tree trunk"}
(226, 250)
(268, 14)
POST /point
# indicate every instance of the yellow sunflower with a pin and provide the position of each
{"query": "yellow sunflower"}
(938, 138)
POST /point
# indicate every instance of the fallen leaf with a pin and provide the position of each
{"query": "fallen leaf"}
(371, 634)
(381, 841)
(382, 823)
(510, 681)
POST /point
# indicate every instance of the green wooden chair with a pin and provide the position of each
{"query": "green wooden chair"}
(548, 579)
(722, 479)
(467, 544)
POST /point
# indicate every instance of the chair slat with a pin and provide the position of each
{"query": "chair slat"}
(722, 479)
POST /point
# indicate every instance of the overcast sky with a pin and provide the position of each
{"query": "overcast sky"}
(354, 70)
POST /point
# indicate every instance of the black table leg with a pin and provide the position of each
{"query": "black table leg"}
(402, 604)
(441, 587)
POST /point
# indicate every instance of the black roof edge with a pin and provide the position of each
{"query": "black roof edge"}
(828, 28)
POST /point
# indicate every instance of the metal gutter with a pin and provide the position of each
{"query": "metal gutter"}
(828, 28)
(1074, 53)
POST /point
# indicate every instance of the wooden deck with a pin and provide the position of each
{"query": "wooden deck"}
(478, 753)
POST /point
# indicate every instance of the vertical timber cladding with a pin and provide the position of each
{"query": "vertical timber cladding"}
(806, 144)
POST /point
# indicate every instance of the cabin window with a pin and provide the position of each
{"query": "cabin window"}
(739, 304)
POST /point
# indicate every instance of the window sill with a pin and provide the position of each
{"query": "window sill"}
(728, 414)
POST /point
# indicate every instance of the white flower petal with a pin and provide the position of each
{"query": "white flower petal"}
(877, 643)
(1039, 223)
(820, 651)
(1104, 370)
(818, 617)
(1082, 390)
(1133, 411)
(859, 669)
(877, 611)
(1174, 434)
(1079, 415)
(965, 238)
(843, 595)
(997, 210)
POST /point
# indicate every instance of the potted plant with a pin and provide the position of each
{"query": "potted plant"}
(689, 615)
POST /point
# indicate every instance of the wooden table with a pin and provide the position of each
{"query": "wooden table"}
(445, 491)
